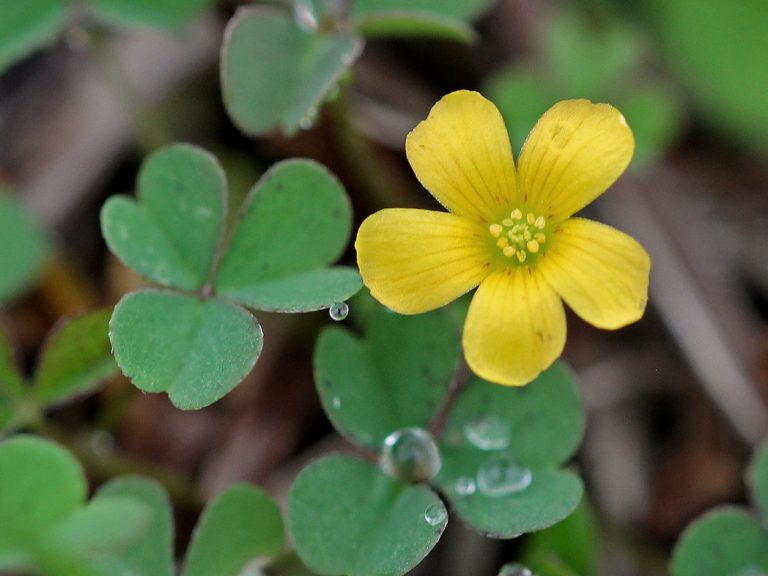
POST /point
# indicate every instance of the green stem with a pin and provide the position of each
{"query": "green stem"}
(358, 156)
(460, 378)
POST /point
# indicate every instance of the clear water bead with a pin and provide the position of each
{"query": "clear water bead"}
(410, 455)
(513, 569)
(465, 486)
(487, 432)
(305, 16)
(435, 514)
(338, 311)
(501, 476)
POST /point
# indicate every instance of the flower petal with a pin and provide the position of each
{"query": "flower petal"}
(461, 154)
(515, 327)
(574, 153)
(417, 260)
(600, 272)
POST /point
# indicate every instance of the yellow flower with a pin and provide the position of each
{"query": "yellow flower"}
(510, 231)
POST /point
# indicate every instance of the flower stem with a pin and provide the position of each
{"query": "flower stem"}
(357, 154)
(460, 377)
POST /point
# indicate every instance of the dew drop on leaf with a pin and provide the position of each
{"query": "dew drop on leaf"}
(465, 486)
(487, 432)
(513, 569)
(410, 455)
(336, 402)
(435, 514)
(501, 476)
(304, 15)
(338, 311)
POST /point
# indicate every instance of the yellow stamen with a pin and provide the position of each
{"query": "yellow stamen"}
(540, 222)
(502, 243)
(540, 237)
(517, 214)
(532, 246)
(521, 256)
(509, 251)
(530, 218)
(496, 230)
(507, 222)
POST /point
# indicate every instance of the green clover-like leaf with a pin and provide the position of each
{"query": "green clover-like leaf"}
(295, 222)
(29, 25)
(501, 448)
(170, 233)
(41, 485)
(346, 516)
(274, 74)
(726, 541)
(197, 345)
(240, 525)
(152, 553)
(195, 350)
(394, 378)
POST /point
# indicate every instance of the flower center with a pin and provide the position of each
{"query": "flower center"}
(520, 234)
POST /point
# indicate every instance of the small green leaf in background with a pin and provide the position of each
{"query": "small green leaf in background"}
(565, 549)
(590, 58)
(41, 485)
(28, 25)
(501, 448)
(718, 52)
(76, 358)
(522, 96)
(394, 378)
(346, 517)
(653, 111)
(458, 9)
(152, 553)
(757, 477)
(240, 525)
(169, 235)
(102, 527)
(408, 23)
(22, 241)
(196, 350)
(295, 221)
(171, 14)
(275, 75)
(723, 542)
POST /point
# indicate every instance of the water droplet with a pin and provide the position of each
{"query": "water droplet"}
(411, 455)
(487, 432)
(513, 569)
(336, 402)
(435, 514)
(309, 119)
(501, 476)
(465, 486)
(338, 311)
(305, 16)
(253, 568)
